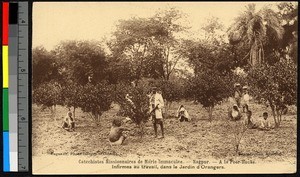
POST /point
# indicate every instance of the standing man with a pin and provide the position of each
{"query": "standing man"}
(156, 105)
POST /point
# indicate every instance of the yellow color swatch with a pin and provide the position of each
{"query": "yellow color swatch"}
(5, 66)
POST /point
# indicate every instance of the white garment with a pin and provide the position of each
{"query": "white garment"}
(158, 101)
(265, 123)
(234, 113)
(183, 111)
(246, 99)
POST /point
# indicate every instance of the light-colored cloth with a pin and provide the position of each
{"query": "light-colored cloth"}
(181, 111)
(157, 100)
(128, 98)
(245, 99)
(234, 115)
(265, 124)
(237, 94)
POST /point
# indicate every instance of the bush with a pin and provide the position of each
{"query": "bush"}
(209, 88)
(137, 106)
(277, 85)
(95, 99)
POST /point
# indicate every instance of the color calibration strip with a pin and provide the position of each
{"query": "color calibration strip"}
(23, 87)
(5, 89)
(15, 86)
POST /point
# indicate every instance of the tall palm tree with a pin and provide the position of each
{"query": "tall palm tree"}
(258, 31)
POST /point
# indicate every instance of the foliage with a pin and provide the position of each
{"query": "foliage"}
(146, 44)
(172, 90)
(205, 54)
(212, 52)
(209, 88)
(260, 32)
(47, 94)
(134, 102)
(80, 59)
(44, 66)
(72, 94)
(288, 12)
(95, 99)
(276, 84)
(119, 70)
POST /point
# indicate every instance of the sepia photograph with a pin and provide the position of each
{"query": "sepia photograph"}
(164, 87)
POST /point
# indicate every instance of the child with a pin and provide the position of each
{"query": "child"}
(69, 123)
(248, 122)
(245, 99)
(265, 124)
(182, 114)
(116, 135)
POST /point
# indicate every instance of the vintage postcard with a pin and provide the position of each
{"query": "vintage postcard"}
(164, 87)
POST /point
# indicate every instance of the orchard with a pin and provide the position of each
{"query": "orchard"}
(103, 80)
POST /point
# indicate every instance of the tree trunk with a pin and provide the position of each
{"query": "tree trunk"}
(256, 54)
(53, 110)
(275, 116)
(210, 110)
(141, 127)
(74, 111)
(279, 114)
(167, 108)
(237, 149)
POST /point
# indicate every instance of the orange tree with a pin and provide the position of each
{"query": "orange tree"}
(209, 88)
(277, 85)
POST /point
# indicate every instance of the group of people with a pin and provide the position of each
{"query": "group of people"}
(242, 98)
(118, 133)
(156, 105)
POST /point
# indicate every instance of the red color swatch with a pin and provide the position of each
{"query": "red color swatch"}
(5, 19)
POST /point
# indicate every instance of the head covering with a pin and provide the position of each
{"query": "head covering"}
(154, 89)
(237, 84)
(245, 87)
(69, 114)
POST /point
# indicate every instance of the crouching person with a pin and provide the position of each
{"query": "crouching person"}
(117, 133)
(68, 122)
(265, 123)
(249, 122)
(182, 114)
(234, 113)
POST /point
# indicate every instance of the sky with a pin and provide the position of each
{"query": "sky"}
(54, 22)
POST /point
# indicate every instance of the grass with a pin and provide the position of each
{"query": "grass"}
(198, 138)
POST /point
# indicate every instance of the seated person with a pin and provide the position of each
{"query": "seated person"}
(265, 124)
(234, 113)
(116, 135)
(182, 114)
(68, 122)
(248, 122)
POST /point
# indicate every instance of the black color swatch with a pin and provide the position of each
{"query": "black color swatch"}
(13, 13)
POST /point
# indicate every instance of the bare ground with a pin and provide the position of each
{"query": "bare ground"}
(188, 140)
